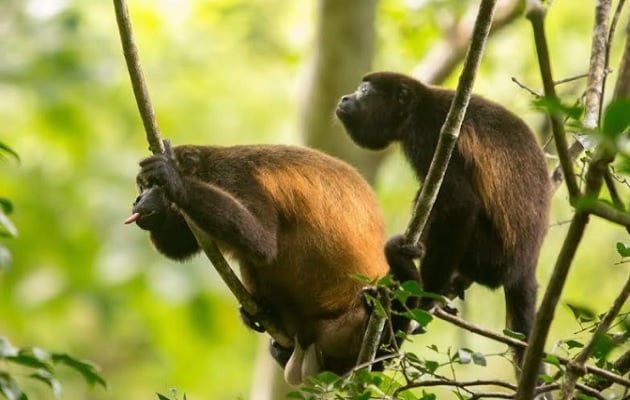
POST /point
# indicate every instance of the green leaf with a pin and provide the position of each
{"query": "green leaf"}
(616, 118)
(582, 314)
(513, 335)
(9, 388)
(603, 346)
(88, 370)
(413, 288)
(479, 359)
(6, 205)
(431, 366)
(6, 149)
(7, 349)
(464, 356)
(28, 360)
(427, 396)
(6, 226)
(623, 250)
(47, 377)
(420, 316)
(554, 106)
(551, 359)
(362, 278)
(573, 344)
(162, 397)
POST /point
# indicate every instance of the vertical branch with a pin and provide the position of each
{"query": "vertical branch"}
(452, 124)
(536, 14)
(140, 91)
(545, 314)
(622, 87)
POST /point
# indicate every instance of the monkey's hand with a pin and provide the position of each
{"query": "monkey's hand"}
(400, 257)
(161, 170)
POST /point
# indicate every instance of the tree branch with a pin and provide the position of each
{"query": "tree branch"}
(442, 59)
(536, 14)
(453, 319)
(575, 368)
(210, 248)
(373, 331)
(452, 124)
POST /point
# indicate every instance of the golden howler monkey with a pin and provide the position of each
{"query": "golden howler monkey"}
(491, 214)
(299, 223)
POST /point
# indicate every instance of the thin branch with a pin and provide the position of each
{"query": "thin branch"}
(622, 87)
(575, 369)
(210, 248)
(445, 56)
(596, 171)
(140, 91)
(536, 14)
(373, 331)
(452, 124)
(443, 315)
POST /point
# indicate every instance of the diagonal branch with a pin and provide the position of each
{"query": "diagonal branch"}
(452, 124)
(209, 247)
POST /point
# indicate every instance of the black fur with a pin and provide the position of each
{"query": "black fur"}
(491, 213)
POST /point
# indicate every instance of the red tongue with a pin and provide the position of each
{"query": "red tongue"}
(132, 218)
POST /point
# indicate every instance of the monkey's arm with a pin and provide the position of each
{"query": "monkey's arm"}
(225, 218)
(215, 211)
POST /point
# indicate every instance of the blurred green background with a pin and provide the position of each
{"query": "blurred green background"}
(220, 72)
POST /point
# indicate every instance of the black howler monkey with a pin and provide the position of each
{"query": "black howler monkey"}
(491, 214)
(299, 223)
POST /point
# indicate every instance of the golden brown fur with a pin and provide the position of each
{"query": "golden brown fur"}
(299, 222)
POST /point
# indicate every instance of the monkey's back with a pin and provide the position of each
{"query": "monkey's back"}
(509, 174)
(329, 222)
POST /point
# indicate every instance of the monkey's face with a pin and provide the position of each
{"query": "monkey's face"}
(373, 114)
(149, 210)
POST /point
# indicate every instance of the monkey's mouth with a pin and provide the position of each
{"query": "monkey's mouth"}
(137, 215)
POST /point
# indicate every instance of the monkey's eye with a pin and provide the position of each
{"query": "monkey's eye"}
(363, 89)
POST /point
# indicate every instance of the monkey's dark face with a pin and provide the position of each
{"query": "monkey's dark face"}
(373, 114)
(150, 209)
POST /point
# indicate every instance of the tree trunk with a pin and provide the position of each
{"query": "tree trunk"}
(342, 54)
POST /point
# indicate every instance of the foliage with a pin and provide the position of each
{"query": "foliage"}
(40, 365)
(7, 228)
(40, 362)
(221, 72)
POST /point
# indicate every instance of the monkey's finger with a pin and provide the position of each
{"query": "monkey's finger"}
(132, 218)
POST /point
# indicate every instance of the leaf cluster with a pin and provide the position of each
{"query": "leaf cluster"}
(40, 365)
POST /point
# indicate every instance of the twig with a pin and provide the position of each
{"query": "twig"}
(536, 15)
(443, 315)
(210, 248)
(373, 331)
(445, 56)
(545, 314)
(450, 130)
(575, 369)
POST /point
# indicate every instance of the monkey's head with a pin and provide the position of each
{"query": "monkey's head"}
(150, 209)
(375, 113)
